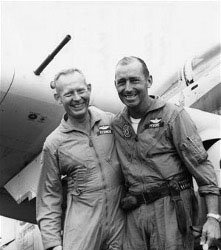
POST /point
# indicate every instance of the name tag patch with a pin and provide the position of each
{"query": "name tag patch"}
(105, 129)
(154, 123)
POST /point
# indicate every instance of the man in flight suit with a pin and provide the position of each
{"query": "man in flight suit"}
(160, 151)
(81, 148)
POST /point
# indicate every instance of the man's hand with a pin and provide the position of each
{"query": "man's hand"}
(57, 248)
(210, 232)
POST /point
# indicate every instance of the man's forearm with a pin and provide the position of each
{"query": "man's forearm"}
(211, 228)
(212, 202)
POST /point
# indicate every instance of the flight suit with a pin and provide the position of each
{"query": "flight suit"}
(93, 219)
(166, 145)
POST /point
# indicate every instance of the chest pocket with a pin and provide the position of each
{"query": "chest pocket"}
(105, 144)
(155, 139)
(71, 154)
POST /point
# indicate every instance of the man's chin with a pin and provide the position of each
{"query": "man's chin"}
(130, 103)
(79, 114)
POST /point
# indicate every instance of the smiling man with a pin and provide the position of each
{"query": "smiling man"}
(81, 148)
(160, 151)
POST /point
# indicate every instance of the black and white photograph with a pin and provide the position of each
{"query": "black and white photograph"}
(110, 125)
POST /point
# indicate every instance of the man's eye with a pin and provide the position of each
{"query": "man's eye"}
(67, 95)
(134, 80)
(120, 83)
(81, 91)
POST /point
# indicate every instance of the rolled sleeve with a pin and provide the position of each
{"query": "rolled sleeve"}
(192, 152)
(49, 200)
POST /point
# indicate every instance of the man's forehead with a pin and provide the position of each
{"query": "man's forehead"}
(71, 77)
(131, 68)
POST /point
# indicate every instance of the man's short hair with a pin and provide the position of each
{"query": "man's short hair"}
(129, 59)
(65, 72)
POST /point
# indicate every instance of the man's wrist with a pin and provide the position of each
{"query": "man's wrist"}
(214, 216)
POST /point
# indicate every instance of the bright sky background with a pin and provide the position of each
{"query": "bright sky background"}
(163, 33)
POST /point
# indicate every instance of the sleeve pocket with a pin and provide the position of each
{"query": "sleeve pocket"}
(193, 149)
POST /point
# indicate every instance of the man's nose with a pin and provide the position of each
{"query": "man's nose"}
(128, 86)
(76, 96)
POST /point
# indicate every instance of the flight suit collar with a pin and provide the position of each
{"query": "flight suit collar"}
(66, 126)
(155, 103)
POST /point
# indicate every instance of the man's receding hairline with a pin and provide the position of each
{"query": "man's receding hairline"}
(66, 72)
(130, 59)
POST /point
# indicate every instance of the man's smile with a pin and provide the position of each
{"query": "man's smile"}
(130, 96)
(78, 106)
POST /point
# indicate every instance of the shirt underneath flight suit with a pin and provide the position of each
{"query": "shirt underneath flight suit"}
(166, 144)
(93, 219)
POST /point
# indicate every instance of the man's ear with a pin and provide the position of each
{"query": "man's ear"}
(149, 81)
(57, 98)
(89, 87)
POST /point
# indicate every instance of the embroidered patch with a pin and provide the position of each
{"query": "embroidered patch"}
(105, 129)
(126, 131)
(155, 123)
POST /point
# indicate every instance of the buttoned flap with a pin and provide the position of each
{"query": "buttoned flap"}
(193, 149)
